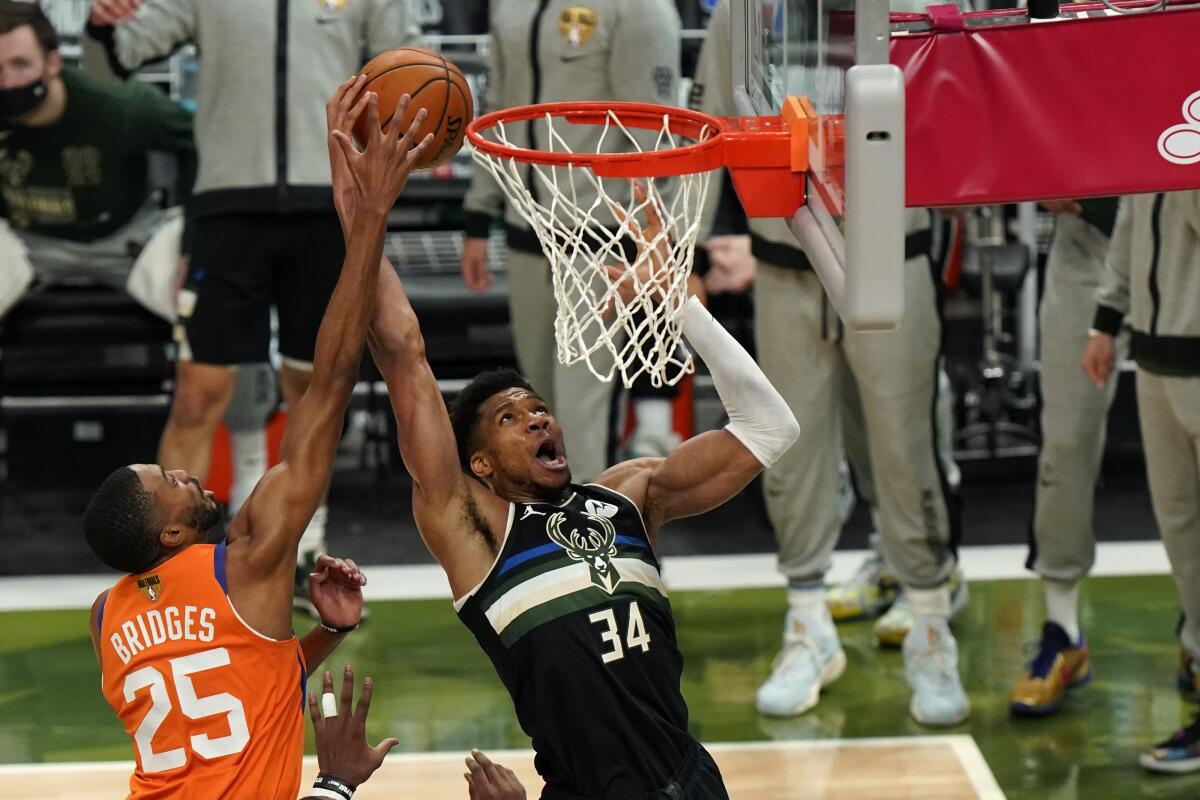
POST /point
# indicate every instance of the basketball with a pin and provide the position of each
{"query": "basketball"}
(435, 83)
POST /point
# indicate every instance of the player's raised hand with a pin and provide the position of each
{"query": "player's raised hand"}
(342, 749)
(341, 112)
(381, 170)
(335, 587)
(112, 12)
(491, 781)
(654, 247)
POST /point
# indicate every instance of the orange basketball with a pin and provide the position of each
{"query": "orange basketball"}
(435, 84)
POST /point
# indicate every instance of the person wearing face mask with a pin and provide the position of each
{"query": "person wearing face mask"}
(76, 199)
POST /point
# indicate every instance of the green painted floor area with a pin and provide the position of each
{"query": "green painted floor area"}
(436, 691)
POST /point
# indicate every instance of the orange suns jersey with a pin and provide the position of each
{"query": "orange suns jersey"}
(214, 708)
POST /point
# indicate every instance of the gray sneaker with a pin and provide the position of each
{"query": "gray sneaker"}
(931, 666)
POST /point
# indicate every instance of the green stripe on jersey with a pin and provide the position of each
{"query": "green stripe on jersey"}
(536, 567)
(591, 597)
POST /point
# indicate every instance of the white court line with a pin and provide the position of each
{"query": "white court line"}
(963, 745)
(974, 764)
(681, 573)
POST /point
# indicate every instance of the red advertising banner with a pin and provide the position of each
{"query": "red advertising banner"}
(1094, 104)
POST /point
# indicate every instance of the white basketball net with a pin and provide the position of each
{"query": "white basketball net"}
(637, 332)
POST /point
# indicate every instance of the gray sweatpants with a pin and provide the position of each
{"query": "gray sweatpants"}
(579, 401)
(800, 352)
(1074, 412)
(1169, 413)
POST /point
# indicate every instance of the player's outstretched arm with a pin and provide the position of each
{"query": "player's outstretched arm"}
(445, 501)
(267, 530)
(709, 469)
(442, 494)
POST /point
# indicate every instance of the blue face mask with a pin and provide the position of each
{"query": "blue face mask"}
(18, 101)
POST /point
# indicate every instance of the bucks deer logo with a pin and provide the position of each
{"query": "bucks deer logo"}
(594, 545)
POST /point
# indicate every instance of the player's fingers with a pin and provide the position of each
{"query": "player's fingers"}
(364, 699)
(338, 100)
(384, 747)
(350, 92)
(409, 147)
(345, 145)
(398, 115)
(356, 110)
(347, 691)
(312, 711)
(489, 767)
(374, 130)
(417, 153)
(327, 683)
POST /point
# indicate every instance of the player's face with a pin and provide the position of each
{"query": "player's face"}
(525, 445)
(24, 69)
(180, 498)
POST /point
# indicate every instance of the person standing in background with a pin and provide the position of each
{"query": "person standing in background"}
(805, 350)
(1063, 539)
(266, 232)
(1152, 279)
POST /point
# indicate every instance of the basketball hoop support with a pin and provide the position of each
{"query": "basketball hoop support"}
(767, 158)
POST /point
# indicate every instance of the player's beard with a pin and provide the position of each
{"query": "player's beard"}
(548, 493)
(204, 515)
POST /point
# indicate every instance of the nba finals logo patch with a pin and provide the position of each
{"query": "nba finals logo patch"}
(595, 546)
(332, 5)
(577, 24)
(151, 587)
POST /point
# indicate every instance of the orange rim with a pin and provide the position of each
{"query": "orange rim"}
(704, 155)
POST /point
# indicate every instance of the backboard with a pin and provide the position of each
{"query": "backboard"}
(835, 53)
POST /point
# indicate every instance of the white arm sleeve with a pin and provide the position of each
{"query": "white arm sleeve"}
(758, 416)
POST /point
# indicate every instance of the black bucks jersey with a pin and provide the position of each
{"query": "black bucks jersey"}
(575, 617)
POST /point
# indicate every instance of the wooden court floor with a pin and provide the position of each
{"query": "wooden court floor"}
(901, 768)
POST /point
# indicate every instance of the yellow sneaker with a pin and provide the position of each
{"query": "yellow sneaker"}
(1058, 666)
(870, 591)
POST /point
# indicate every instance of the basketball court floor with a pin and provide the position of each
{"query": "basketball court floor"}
(437, 693)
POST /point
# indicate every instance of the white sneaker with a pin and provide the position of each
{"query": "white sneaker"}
(811, 658)
(931, 667)
(892, 628)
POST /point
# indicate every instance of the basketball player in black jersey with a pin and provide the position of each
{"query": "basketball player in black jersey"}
(558, 581)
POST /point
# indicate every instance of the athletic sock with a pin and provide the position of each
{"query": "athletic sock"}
(248, 450)
(929, 602)
(1062, 605)
(806, 600)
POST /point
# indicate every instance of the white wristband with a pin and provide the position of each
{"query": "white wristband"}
(758, 415)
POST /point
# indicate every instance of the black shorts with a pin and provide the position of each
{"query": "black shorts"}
(697, 778)
(242, 265)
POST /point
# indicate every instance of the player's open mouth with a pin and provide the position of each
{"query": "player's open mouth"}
(549, 457)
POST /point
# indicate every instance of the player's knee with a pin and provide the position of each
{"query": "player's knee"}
(201, 396)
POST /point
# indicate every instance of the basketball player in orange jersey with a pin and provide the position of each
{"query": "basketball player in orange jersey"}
(196, 649)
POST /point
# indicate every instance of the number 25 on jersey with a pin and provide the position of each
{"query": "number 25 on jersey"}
(193, 708)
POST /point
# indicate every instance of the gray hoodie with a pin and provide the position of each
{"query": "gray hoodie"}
(558, 50)
(1152, 277)
(267, 69)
